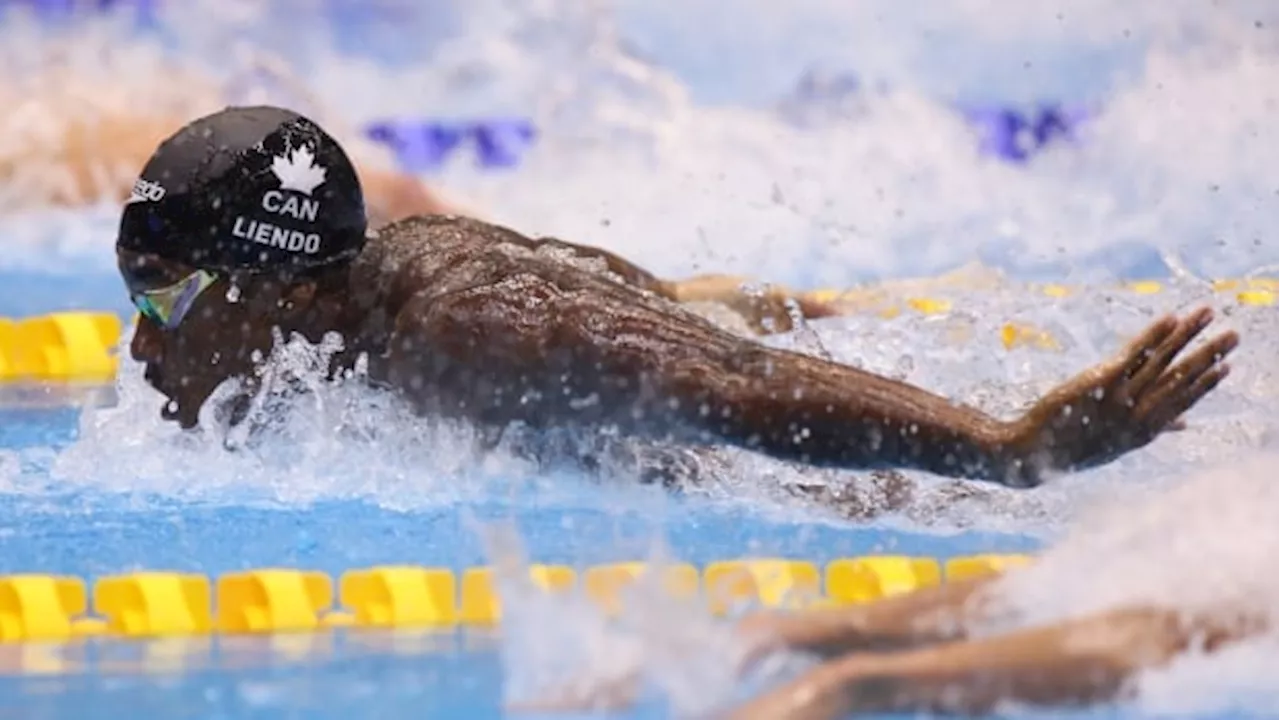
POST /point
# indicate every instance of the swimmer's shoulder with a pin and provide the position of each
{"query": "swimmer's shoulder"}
(434, 254)
(438, 254)
(456, 245)
(446, 231)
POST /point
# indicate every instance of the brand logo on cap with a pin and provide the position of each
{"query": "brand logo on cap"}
(145, 191)
(298, 171)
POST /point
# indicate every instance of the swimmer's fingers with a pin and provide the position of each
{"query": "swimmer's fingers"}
(1187, 383)
(1109, 378)
(1138, 354)
(1198, 363)
(1152, 364)
(1187, 397)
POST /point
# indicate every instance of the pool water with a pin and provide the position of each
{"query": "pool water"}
(816, 143)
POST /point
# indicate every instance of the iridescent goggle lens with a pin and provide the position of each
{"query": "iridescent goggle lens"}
(167, 306)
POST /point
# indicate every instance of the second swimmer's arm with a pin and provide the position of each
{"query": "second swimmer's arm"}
(942, 613)
(1080, 660)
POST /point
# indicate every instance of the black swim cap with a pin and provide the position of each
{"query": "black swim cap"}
(257, 188)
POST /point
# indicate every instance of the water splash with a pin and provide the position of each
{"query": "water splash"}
(301, 437)
(1165, 546)
(1238, 679)
(658, 647)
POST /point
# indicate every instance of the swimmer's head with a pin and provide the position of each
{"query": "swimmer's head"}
(229, 224)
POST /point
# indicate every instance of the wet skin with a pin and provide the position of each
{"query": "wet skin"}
(916, 654)
(470, 320)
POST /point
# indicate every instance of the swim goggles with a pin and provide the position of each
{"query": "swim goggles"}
(168, 305)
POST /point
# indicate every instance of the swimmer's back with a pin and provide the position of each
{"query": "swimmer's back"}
(441, 254)
(497, 327)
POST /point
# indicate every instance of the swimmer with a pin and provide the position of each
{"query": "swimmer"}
(251, 221)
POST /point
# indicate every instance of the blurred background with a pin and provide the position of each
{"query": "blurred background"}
(812, 143)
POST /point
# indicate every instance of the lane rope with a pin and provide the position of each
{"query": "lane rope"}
(36, 607)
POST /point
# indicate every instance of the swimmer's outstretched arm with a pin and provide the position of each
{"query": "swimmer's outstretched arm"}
(803, 408)
(1087, 659)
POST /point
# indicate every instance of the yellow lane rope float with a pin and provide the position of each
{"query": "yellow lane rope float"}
(37, 607)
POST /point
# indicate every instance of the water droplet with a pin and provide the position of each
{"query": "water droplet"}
(904, 367)
(233, 293)
(794, 311)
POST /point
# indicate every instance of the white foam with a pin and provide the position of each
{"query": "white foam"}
(383, 452)
(656, 645)
(1209, 541)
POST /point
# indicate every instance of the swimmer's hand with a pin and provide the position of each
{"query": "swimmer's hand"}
(1124, 403)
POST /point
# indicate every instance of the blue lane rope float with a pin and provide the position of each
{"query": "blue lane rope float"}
(426, 145)
(418, 146)
(1016, 135)
(501, 142)
(1009, 133)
